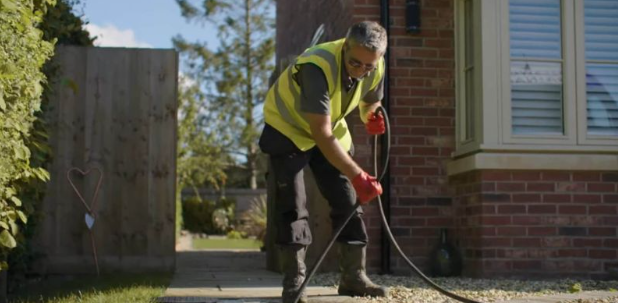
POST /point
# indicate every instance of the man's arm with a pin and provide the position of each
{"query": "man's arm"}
(366, 108)
(371, 101)
(327, 143)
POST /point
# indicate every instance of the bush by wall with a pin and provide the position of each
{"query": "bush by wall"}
(23, 51)
(59, 24)
(200, 216)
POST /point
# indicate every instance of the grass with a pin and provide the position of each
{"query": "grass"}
(226, 244)
(132, 288)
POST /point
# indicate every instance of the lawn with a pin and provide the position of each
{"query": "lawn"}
(226, 244)
(91, 289)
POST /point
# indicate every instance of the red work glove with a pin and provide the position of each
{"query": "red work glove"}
(375, 124)
(366, 187)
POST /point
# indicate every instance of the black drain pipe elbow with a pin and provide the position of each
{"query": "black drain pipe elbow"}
(386, 184)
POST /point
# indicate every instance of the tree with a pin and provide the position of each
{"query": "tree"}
(201, 158)
(63, 24)
(234, 77)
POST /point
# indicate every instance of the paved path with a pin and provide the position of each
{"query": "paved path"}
(231, 276)
(210, 276)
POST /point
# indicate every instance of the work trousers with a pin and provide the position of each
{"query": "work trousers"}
(291, 216)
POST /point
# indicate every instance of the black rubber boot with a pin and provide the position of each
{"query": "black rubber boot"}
(294, 271)
(354, 281)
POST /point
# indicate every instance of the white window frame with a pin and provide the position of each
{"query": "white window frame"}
(473, 140)
(582, 131)
(492, 125)
(568, 81)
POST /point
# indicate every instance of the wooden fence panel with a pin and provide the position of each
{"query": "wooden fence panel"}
(113, 109)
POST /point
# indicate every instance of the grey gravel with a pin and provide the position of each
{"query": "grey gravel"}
(413, 289)
(612, 299)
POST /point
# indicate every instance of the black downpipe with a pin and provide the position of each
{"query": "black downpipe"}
(386, 182)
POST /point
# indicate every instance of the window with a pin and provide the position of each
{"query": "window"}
(468, 70)
(601, 66)
(537, 75)
(536, 67)
(467, 73)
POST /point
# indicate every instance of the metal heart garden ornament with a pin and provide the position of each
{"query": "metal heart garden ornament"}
(89, 221)
(91, 209)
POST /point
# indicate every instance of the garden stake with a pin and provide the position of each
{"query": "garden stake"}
(90, 216)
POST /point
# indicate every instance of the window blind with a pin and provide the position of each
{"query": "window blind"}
(536, 67)
(601, 36)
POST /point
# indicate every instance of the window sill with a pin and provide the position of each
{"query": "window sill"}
(533, 161)
(466, 150)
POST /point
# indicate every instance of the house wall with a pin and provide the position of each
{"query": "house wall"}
(421, 112)
(520, 223)
(297, 21)
(537, 223)
(422, 115)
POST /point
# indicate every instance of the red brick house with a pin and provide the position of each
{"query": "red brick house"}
(504, 121)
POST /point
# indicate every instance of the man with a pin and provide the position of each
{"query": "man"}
(304, 114)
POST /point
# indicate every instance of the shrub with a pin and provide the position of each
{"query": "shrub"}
(23, 51)
(59, 23)
(234, 234)
(205, 216)
(229, 206)
(220, 219)
(254, 218)
(197, 215)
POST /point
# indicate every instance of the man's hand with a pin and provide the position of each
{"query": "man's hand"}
(375, 123)
(366, 187)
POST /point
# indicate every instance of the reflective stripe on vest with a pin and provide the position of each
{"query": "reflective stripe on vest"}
(282, 105)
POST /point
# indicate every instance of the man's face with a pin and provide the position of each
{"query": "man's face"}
(359, 61)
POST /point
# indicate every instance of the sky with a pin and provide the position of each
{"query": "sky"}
(144, 24)
(141, 23)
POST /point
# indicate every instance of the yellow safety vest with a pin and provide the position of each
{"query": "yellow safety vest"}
(282, 105)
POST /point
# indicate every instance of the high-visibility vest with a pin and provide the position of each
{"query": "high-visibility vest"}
(282, 105)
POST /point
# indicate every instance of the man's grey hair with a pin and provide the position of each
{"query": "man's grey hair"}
(368, 34)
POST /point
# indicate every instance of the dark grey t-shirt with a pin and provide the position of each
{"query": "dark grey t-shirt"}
(314, 90)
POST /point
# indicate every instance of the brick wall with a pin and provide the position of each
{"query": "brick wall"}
(298, 20)
(538, 223)
(507, 223)
(294, 32)
(422, 115)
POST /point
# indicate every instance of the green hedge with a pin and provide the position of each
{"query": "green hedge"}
(198, 215)
(59, 23)
(23, 51)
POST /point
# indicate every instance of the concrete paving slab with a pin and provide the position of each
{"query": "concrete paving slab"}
(204, 276)
(231, 276)
(312, 299)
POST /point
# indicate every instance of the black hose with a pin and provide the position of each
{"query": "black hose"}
(388, 231)
(385, 246)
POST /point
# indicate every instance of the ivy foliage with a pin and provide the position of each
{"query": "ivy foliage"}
(61, 23)
(23, 52)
